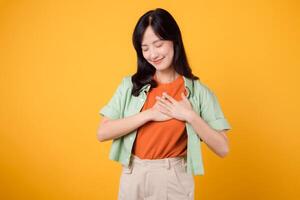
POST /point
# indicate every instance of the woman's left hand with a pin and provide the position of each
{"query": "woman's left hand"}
(176, 109)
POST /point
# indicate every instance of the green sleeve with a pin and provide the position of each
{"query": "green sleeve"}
(113, 109)
(211, 112)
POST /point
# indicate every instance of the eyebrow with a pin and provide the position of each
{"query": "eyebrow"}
(153, 42)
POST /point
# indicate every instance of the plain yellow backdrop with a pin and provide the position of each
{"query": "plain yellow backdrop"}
(61, 61)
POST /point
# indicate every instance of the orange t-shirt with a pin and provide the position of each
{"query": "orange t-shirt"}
(156, 140)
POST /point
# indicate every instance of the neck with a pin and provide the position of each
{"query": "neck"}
(166, 76)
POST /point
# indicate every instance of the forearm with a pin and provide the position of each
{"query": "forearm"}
(116, 128)
(214, 140)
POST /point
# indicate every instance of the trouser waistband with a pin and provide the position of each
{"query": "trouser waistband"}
(164, 162)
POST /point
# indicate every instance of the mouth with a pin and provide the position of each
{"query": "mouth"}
(157, 61)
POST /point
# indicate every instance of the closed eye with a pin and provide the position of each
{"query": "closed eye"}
(157, 46)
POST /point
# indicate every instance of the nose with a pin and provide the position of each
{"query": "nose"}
(153, 54)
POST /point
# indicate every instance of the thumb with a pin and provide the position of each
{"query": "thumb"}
(183, 96)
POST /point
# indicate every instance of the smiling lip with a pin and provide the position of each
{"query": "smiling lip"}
(158, 61)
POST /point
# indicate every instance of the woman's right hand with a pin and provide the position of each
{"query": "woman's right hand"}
(156, 114)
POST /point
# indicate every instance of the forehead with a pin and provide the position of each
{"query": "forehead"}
(149, 36)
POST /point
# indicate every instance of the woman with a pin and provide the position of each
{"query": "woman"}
(158, 117)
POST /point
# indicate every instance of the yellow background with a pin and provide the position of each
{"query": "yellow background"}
(62, 60)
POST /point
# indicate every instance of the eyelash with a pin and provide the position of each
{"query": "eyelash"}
(156, 46)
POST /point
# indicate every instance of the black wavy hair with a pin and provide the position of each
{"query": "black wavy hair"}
(165, 27)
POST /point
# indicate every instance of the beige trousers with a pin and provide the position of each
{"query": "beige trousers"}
(159, 179)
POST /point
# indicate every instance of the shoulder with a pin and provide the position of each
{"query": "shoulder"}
(202, 88)
(126, 81)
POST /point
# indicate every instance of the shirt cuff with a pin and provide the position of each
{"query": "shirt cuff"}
(219, 124)
(109, 112)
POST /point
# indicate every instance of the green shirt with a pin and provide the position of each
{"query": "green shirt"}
(203, 100)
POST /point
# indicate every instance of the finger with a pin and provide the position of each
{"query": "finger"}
(164, 98)
(169, 97)
(184, 97)
(162, 109)
(164, 105)
(164, 102)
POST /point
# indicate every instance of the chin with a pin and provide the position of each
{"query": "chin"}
(159, 68)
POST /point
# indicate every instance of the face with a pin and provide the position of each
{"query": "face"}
(156, 51)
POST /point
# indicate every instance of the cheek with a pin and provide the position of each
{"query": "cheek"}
(146, 55)
(168, 53)
(168, 50)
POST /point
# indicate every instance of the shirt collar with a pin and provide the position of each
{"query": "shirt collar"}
(188, 83)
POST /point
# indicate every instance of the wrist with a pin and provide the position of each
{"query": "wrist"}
(148, 115)
(190, 116)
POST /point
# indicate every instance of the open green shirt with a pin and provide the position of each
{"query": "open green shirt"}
(203, 100)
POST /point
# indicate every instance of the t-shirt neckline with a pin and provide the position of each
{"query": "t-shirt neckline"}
(172, 82)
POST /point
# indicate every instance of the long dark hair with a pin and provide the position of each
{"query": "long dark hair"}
(165, 26)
